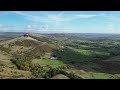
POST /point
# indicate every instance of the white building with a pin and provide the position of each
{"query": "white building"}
(53, 58)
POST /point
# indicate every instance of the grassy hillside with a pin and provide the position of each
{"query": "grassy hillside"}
(77, 57)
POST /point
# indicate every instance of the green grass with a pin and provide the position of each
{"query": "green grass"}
(91, 52)
(101, 76)
(105, 76)
(93, 75)
(79, 55)
(48, 62)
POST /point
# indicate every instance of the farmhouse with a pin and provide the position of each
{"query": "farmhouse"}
(53, 57)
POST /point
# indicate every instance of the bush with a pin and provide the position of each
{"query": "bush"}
(54, 71)
(51, 72)
(22, 62)
(38, 71)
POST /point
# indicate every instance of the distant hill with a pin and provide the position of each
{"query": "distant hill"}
(33, 44)
(78, 35)
(9, 35)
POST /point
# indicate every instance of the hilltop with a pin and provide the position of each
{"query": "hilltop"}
(21, 45)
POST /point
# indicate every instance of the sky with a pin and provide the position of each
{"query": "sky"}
(60, 21)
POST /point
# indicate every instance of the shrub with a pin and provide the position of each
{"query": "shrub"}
(22, 62)
(38, 71)
(54, 71)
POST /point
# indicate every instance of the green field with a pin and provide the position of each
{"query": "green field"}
(105, 76)
(48, 62)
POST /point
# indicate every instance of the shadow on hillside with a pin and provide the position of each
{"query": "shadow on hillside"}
(111, 67)
(86, 62)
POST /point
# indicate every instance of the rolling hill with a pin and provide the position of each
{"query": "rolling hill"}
(29, 56)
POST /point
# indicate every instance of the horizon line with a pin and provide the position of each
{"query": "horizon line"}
(60, 32)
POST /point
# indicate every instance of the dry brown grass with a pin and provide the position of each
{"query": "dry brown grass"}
(8, 70)
(13, 73)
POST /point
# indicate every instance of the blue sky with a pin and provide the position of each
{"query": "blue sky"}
(60, 21)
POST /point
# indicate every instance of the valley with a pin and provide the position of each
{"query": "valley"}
(59, 56)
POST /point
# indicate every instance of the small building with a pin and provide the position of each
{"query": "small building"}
(53, 58)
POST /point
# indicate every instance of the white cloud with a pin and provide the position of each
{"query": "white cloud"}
(44, 18)
(102, 14)
(90, 15)
(30, 27)
(57, 20)
(85, 16)
(60, 17)
(4, 27)
(36, 27)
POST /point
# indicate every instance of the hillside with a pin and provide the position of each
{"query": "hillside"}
(21, 46)
(57, 56)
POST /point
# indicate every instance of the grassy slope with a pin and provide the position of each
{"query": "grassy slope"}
(116, 58)
(92, 75)
(9, 70)
(48, 62)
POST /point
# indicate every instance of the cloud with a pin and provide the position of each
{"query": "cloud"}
(41, 18)
(20, 13)
(55, 18)
(36, 27)
(85, 16)
(60, 17)
(3, 27)
(57, 21)
(90, 15)
(102, 14)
